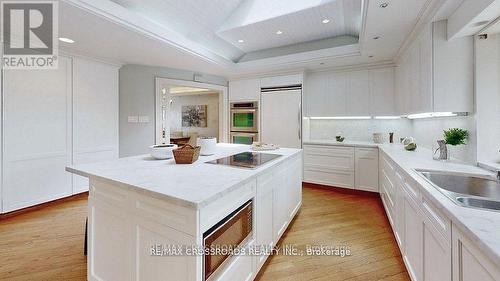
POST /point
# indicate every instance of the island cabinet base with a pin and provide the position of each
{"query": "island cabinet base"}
(130, 231)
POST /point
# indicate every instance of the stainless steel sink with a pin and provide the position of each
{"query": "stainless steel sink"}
(474, 191)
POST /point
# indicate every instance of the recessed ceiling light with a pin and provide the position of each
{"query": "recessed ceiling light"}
(325, 21)
(370, 56)
(321, 63)
(66, 40)
(383, 5)
(241, 41)
(376, 37)
(279, 32)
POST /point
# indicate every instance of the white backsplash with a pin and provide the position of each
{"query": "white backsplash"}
(425, 131)
(358, 130)
(428, 131)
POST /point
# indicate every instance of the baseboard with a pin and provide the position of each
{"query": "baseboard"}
(43, 205)
(341, 189)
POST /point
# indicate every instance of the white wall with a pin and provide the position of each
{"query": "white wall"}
(137, 97)
(488, 99)
(212, 102)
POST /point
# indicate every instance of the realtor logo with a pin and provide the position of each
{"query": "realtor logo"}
(29, 34)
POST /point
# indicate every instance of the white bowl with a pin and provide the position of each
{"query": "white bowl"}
(162, 151)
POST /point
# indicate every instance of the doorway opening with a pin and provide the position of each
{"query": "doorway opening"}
(185, 109)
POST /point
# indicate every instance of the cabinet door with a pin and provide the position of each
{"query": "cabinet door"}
(314, 94)
(413, 239)
(95, 115)
(469, 264)
(358, 98)
(294, 186)
(426, 70)
(263, 219)
(382, 92)
(437, 255)
(280, 204)
(37, 135)
(335, 97)
(366, 169)
(414, 78)
(244, 90)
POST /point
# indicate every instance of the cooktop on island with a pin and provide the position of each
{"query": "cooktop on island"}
(250, 160)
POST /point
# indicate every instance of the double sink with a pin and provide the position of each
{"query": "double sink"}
(471, 191)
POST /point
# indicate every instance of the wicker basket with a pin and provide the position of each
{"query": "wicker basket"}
(187, 154)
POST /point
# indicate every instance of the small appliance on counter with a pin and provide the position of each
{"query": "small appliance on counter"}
(377, 138)
(208, 145)
(162, 151)
(339, 137)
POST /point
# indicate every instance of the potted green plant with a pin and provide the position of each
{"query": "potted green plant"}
(452, 136)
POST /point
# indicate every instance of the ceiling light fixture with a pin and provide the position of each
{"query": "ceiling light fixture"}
(383, 5)
(66, 40)
(342, 118)
(241, 41)
(387, 117)
(325, 21)
(432, 114)
(376, 37)
(279, 32)
(370, 56)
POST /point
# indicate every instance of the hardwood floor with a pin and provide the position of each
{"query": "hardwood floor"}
(332, 217)
(47, 244)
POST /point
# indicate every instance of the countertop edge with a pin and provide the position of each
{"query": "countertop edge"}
(424, 186)
(179, 201)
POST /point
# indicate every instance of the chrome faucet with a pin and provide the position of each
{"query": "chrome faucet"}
(498, 175)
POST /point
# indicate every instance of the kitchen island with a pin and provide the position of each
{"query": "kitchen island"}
(139, 207)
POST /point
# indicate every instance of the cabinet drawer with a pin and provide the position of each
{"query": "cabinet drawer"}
(240, 268)
(436, 218)
(321, 175)
(412, 190)
(341, 158)
(366, 153)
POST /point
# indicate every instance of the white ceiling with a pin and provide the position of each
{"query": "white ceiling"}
(183, 33)
(297, 26)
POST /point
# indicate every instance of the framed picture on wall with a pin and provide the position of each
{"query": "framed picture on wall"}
(194, 115)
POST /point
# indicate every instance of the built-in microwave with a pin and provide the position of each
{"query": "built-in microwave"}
(244, 116)
(231, 232)
(244, 138)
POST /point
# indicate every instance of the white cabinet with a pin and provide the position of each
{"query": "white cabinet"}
(340, 166)
(325, 94)
(54, 119)
(263, 210)
(280, 204)
(434, 74)
(95, 115)
(362, 93)
(36, 135)
(421, 230)
(329, 165)
(382, 92)
(358, 99)
(413, 240)
(469, 264)
(284, 80)
(244, 90)
(366, 168)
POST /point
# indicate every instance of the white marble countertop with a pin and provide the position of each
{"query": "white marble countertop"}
(194, 185)
(482, 226)
(344, 143)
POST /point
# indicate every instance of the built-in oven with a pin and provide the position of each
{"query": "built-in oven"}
(232, 231)
(244, 116)
(244, 138)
